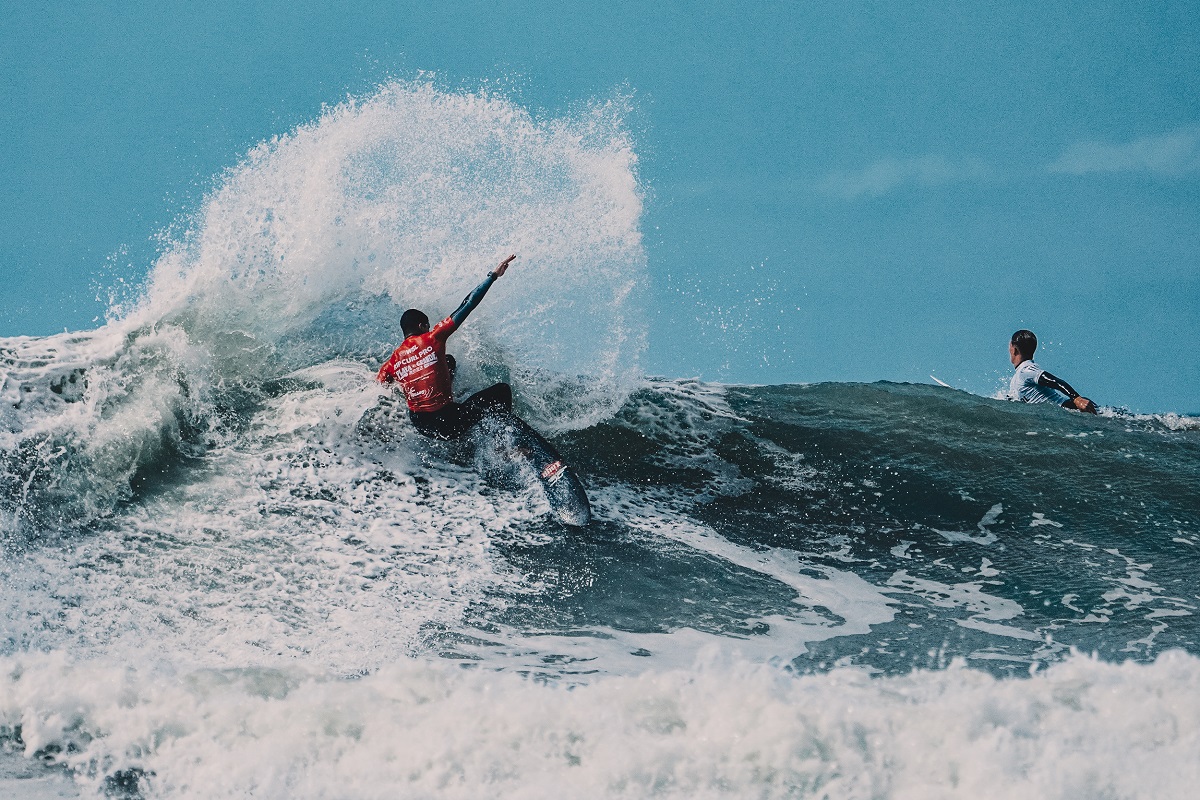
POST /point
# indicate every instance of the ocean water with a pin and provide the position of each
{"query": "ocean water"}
(230, 568)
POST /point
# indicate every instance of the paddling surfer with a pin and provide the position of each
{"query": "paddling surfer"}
(1032, 384)
(426, 373)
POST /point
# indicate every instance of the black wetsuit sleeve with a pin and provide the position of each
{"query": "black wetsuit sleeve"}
(1057, 384)
(472, 300)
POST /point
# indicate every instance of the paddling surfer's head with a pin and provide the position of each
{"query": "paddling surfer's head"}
(413, 322)
(1021, 347)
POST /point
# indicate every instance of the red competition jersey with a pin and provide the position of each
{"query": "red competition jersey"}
(419, 364)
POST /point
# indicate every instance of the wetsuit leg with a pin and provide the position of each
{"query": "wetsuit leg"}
(455, 419)
(436, 424)
(494, 399)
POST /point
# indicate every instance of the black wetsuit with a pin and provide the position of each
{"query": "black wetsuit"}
(453, 420)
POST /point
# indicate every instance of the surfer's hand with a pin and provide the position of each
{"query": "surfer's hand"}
(500, 270)
(1083, 404)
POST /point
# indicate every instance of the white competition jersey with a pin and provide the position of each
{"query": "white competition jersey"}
(1024, 386)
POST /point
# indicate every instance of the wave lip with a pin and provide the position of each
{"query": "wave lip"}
(408, 196)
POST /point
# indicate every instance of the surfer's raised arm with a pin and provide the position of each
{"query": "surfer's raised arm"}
(1032, 384)
(473, 299)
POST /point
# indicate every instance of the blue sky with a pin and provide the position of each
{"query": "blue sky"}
(836, 191)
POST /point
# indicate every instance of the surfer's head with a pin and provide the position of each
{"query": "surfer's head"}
(413, 322)
(1021, 347)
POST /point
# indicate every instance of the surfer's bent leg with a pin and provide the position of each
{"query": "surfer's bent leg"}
(454, 419)
(428, 423)
(496, 399)
(447, 422)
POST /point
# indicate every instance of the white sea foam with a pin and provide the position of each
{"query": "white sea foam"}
(301, 540)
(722, 728)
(1171, 421)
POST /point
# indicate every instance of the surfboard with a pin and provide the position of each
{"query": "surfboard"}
(940, 382)
(563, 489)
(514, 441)
(506, 451)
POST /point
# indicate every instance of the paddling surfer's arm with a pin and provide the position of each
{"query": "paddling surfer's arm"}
(473, 299)
(1074, 399)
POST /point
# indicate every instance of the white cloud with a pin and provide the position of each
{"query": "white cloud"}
(891, 174)
(1169, 154)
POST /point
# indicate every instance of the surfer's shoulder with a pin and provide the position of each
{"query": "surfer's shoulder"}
(1029, 370)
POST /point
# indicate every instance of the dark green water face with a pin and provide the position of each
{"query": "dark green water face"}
(1002, 533)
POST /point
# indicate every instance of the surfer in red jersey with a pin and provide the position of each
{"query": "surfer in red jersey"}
(425, 372)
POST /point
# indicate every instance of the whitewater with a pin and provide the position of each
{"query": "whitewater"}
(231, 569)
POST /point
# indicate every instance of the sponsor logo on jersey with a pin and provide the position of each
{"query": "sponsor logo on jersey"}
(417, 362)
